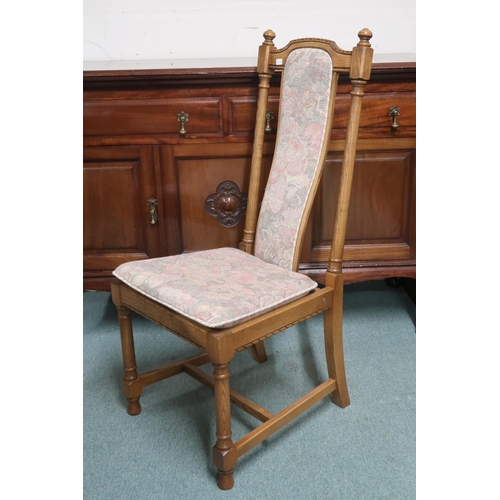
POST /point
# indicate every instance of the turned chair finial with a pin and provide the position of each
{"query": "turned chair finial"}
(364, 37)
(269, 36)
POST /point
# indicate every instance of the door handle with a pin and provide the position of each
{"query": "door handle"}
(153, 214)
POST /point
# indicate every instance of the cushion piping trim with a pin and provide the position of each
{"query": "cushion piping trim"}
(231, 322)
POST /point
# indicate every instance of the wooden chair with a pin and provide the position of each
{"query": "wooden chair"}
(226, 300)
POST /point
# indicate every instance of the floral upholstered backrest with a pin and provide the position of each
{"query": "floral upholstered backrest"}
(305, 97)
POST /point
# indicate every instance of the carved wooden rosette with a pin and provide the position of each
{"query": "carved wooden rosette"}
(228, 204)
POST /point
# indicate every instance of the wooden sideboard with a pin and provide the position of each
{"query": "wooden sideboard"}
(146, 183)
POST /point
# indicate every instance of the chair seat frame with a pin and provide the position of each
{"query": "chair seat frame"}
(219, 346)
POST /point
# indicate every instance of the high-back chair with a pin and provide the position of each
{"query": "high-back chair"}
(226, 300)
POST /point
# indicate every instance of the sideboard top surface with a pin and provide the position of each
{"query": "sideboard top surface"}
(203, 64)
(115, 74)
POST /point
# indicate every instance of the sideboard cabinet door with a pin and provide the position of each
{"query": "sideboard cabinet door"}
(192, 175)
(380, 234)
(118, 181)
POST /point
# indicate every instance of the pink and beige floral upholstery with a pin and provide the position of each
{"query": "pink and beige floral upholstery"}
(305, 95)
(217, 288)
(223, 287)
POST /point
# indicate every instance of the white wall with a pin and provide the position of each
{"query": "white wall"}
(121, 30)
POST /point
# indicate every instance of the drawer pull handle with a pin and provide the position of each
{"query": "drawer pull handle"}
(183, 118)
(153, 214)
(269, 117)
(394, 112)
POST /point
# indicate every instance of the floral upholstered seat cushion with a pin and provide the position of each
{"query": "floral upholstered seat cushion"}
(217, 288)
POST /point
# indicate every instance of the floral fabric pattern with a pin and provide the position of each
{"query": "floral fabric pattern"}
(306, 89)
(217, 288)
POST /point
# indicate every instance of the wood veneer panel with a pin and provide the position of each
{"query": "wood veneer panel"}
(193, 173)
(152, 116)
(117, 181)
(381, 210)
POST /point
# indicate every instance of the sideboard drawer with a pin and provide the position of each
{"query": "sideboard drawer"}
(152, 116)
(242, 110)
(376, 120)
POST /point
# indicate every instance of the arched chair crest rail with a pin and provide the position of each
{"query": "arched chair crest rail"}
(227, 300)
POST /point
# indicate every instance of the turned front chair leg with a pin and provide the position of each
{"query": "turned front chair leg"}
(130, 383)
(224, 451)
(335, 350)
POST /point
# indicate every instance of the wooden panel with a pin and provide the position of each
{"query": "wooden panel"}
(116, 229)
(375, 120)
(242, 111)
(197, 171)
(381, 213)
(152, 116)
(111, 213)
(198, 178)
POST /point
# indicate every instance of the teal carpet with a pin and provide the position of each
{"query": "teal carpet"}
(363, 452)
